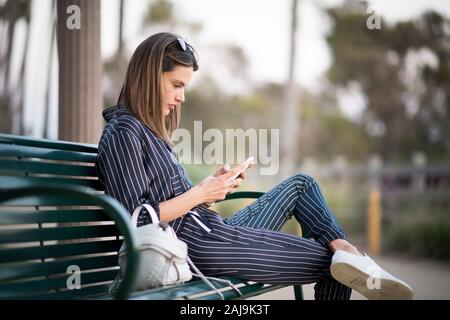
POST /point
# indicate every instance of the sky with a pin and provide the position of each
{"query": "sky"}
(260, 27)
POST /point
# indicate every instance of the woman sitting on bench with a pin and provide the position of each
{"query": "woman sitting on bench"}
(137, 165)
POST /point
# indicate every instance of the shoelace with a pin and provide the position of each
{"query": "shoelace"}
(206, 279)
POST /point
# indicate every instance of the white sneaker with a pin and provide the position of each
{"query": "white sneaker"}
(362, 274)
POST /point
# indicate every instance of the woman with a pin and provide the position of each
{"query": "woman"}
(137, 165)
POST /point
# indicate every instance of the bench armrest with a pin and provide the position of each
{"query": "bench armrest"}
(243, 195)
(87, 196)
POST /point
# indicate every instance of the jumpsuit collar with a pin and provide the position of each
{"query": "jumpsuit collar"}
(114, 112)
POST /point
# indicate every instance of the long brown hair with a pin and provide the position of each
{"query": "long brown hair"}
(141, 92)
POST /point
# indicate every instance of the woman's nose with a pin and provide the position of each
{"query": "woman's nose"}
(180, 97)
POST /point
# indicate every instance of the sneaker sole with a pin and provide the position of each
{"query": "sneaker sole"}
(357, 280)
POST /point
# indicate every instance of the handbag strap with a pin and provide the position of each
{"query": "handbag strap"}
(206, 279)
(150, 210)
(196, 216)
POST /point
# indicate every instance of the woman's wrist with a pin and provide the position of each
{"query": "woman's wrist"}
(198, 194)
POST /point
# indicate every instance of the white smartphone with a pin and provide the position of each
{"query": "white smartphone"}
(247, 162)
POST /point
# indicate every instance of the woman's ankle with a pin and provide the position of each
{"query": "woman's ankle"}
(344, 245)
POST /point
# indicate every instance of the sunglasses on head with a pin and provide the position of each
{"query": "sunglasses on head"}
(183, 44)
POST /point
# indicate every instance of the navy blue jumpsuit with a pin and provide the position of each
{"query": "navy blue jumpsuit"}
(135, 167)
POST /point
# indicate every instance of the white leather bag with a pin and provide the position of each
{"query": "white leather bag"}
(163, 257)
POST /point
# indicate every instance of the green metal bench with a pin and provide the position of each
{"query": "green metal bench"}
(55, 220)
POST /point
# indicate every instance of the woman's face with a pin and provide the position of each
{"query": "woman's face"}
(174, 84)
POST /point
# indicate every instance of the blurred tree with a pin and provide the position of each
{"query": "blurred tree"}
(433, 115)
(233, 66)
(326, 132)
(403, 70)
(120, 35)
(46, 130)
(12, 98)
(289, 121)
(115, 67)
(159, 12)
(162, 13)
(80, 70)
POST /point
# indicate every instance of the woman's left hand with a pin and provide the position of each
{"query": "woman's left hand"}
(222, 170)
(226, 168)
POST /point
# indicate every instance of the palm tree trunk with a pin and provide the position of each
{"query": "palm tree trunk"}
(21, 84)
(289, 117)
(80, 73)
(49, 73)
(120, 40)
(9, 45)
(6, 120)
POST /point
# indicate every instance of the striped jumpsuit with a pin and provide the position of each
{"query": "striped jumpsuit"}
(137, 167)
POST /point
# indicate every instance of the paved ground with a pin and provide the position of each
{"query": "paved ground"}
(430, 279)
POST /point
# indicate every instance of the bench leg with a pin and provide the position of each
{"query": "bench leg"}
(298, 292)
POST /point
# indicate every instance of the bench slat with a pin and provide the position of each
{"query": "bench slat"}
(49, 154)
(196, 288)
(25, 181)
(22, 166)
(59, 233)
(247, 292)
(172, 292)
(16, 272)
(191, 288)
(92, 292)
(48, 216)
(36, 287)
(48, 144)
(44, 201)
(59, 250)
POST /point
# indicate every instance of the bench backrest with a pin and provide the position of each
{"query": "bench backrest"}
(49, 234)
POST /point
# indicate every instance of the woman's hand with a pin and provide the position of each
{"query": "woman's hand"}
(216, 187)
(222, 170)
(226, 168)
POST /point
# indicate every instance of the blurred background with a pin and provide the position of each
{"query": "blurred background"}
(360, 91)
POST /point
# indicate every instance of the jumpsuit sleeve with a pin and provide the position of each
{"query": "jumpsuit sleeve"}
(121, 169)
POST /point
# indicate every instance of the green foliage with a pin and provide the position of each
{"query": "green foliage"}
(374, 59)
(421, 235)
(198, 172)
(378, 60)
(418, 223)
(414, 224)
(326, 133)
(348, 202)
(160, 11)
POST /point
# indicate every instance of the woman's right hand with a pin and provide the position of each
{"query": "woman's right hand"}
(214, 188)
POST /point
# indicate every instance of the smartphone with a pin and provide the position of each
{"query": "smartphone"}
(247, 162)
